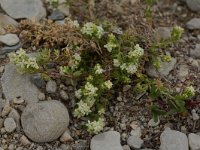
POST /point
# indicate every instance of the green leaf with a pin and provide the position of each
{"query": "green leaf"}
(156, 112)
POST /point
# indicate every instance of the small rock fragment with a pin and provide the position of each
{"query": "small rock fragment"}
(173, 140)
(106, 141)
(9, 125)
(24, 140)
(64, 95)
(193, 24)
(194, 141)
(9, 39)
(135, 142)
(51, 86)
(66, 137)
(6, 109)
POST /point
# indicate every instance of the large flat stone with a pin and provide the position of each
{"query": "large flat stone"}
(18, 85)
(30, 9)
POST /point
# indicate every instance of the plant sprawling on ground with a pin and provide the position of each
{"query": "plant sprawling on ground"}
(100, 56)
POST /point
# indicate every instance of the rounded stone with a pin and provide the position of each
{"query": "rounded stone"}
(10, 125)
(45, 121)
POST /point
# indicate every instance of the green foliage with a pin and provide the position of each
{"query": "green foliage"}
(102, 61)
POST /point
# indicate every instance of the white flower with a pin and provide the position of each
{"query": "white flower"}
(82, 110)
(189, 92)
(96, 126)
(123, 66)
(90, 89)
(98, 69)
(109, 46)
(92, 30)
(137, 52)
(108, 84)
(77, 57)
(100, 31)
(116, 62)
(131, 69)
(78, 93)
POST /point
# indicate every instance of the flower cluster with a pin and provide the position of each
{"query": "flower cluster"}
(111, 43)
(98, 69)
(176, 33)
(23, 62)
(95, 127)
(108, 84)
(88, 94)
(131, 64)
(189, 92)
(92, 30)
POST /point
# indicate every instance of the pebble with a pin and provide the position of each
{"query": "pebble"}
(38, 80)
(80, 145)
(5, 20)
(24, 140)
(164, 70)
(64, 9)
(30, 9)
(7, 108)
(195, 116)
(41, 96)
(135, 142)
(18, 100)
(45, 121)
(193, 24)
(56, 15)
(15, 115)
(64, 95)
(126, 147)
(137, 132)
(194, 5)
(195, 53)
(51, 86)
(106, 141)
(9, 125)
(152, 123)
(9, 49)
(183, 72)
(194, 141)
(9, 39)
(18, 85)
(66, 137)
(163, 33)
(173, 140)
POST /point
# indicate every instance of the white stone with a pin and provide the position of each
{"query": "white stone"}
(30, 9)
(135, 142)
(18, 85)
(66, 137)
(45, 121)
(106, 141)
(173, 140)
(9, 125)
(152, 123)
(51, 86)
(193, 24)
(194, 141)
(9, 39)
(194, 5)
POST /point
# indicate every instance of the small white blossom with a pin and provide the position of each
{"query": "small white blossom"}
(90, 89)
(110, 46)
(123, 66)
(131, 69)
(78, 93)
(189, 92)
(98, 69)
(82, 110)
(137, 52)
(77, 57)
(92, 30)
(108, 84)
(96, 126)
(116, 62)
